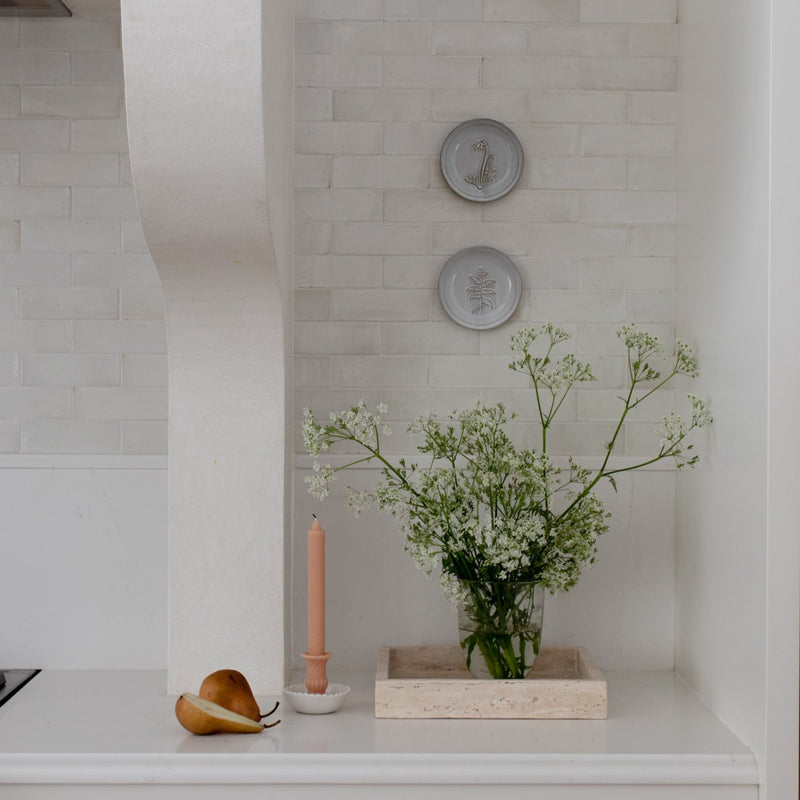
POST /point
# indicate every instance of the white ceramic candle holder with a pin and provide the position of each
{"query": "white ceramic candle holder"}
(305, 702)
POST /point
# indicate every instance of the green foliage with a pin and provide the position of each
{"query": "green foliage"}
(483, 510)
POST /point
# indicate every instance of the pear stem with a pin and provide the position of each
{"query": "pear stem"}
(269, 713)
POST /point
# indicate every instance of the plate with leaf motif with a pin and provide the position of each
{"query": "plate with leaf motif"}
(481, 160)
(479, 287)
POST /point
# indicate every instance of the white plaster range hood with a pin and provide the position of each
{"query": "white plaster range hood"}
(208, 99)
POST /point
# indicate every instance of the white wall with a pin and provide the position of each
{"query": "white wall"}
(83, 576)
(737, 607)
(588, 87)
(82, 345)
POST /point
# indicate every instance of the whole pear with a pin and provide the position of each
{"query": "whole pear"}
(230, 689)
(201, 716)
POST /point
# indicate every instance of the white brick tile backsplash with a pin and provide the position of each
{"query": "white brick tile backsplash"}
(579, 173)
(47, 302)
(312, 238)
(422, 338)
(533, 206)
(337, 271)
(362, 238)
(628, 273)
(322, 403)
(577, 40)
(25, 336)
(406, 404)
(41, 135)
(530, 10)
(653, 173)
(69, 169)
(32, 67)
(9, 236)
(70, 370)
(414, 138)
(71, 101)
(338, 9)
(317, 205)
(74, 34)
(313, 69)
(653, 40)
(441, 10)
(419, 206)
(122, 336)
(457, 105)
(96, 68)
(98, 135)
(468, 38)
(548, 273)
(138, 303)
(511, 238)
(473, 372)
(577, 106)
(313, 105)
(411, 272)
(8, 302)
(654, 108)
(9, 369)
(403, 38)
(32, 402)
(578, 438)
(601, 338)
(312, 172)
(629, 11)
(312, 36)
(652, 240)
(633, 207)
(311, 371)
(9, 32)
(553, 305)
(117, 403)
(386, 371)
(20, 202)
(502, 72)
(425, 71)
(327, 338)
(630, 74)
(133, 240)
(9, 436)
(27, 269)
(144, 437)
(9, 101)
(337, 138)
(379, 305)
(104, 203)
(70, 436)
(649, 307)
(58, 236)
(549, 140)
(382, 105)
(144, 370)
(311, 305)
(628, 140)
(355, 338)
(605, 405)
(124, 271)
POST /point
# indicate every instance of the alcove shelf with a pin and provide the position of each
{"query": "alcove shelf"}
(101, 732)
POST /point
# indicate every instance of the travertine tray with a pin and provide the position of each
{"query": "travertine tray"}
(431, 681)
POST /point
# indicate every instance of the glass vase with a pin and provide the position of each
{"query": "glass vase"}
(500, 627)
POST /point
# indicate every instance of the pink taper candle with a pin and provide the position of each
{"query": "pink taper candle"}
(316, 589)
(316, 657)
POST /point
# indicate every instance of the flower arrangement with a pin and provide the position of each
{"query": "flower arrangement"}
(485, 512)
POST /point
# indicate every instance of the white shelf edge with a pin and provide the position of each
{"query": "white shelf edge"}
(384, 769)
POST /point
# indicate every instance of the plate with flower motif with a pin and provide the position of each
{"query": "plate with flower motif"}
(481, 160)
(479, 287)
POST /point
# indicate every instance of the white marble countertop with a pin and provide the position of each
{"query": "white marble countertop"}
(119, 727)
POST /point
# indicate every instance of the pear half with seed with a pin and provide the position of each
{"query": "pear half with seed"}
(201, 716)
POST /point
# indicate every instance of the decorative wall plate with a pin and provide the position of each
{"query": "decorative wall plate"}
(479, 287)
(481, 160)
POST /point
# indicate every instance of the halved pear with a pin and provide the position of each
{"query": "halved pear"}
(201, 716)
